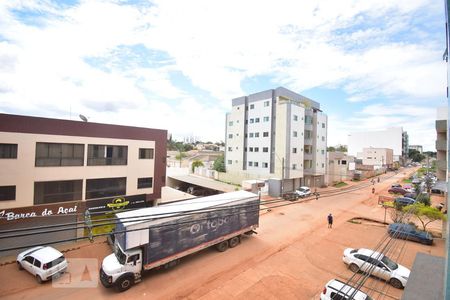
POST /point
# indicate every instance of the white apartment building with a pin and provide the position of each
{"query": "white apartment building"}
(392, 138)
(276, 134)
(382, 157)
(441, 143)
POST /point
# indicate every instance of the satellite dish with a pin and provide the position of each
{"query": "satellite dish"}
(83, 118)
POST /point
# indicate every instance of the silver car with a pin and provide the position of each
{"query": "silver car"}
(42, 262)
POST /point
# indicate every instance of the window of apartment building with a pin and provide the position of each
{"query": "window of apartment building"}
(322, 151)
(266, 119)
(323, 139)
(57, 191)
(256, 149)
(295, 118)
(265, 134)
(252, 120)
(252, 106)
(230, 149)
(307, 164)
(230, 123)
(146, 153)
(265, 165)
(7, 192)
(323, 165)
(265, 149)
(266, 103)
(323, 125)
(250, 164)
(308, 134)
(230, 136)
(308, 120)
(251, 149)
(106, 187)
(256, 120)
(55, 154)
(251, 134)
(256, 134)
(294, 166)
(255, 164)
(145, 183)
(344, 162)
(294, 134)
(8, 150)
(294, 150)
(229, 161)
(107, 155)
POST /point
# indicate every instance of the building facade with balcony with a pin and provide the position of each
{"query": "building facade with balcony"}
(47, 161)
(276, 134)
(441, 143)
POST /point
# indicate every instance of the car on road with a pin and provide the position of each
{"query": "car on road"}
(377, 264)
(42, 262)
(410, 232)
(416, 181)
(410, 195)
(396, 185)
(303, 191)
(336, 289)
(397, 190)
(404, 201)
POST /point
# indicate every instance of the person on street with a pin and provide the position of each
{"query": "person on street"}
(378, 179)
(330, 221)
(317, 196)
(373, 190)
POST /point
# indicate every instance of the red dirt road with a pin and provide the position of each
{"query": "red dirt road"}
(292, 257)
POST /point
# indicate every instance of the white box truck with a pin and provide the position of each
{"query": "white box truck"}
(159, 236)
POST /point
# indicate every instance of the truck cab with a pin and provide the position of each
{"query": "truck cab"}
(122, 268)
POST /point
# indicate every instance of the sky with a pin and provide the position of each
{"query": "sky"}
(177, 65)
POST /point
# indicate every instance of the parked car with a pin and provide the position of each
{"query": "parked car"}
(291, 196)
(303, 191)
(380, 265)
(336, 289)
(416, 181)
(410, 195)
(42, 262)
(396, 185)
(397, 190)
(404, 201)
(409, 232)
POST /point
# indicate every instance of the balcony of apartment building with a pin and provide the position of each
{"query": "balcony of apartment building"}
(308, 153)
(308, 138)
(309, 123)
(441, 164)
(441, 126)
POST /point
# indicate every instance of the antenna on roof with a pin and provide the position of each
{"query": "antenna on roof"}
(83, 118)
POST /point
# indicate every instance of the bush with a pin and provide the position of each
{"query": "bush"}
(424, 198)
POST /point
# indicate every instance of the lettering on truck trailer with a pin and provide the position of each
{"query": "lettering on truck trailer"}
(213, 224)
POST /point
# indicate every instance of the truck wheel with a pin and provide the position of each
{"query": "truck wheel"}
(222, 246)
(234, 241)
(124, 283)
(396, 283)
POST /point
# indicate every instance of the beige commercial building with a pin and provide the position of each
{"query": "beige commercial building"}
(341, 167)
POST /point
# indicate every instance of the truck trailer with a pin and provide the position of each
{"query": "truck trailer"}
(156, 237)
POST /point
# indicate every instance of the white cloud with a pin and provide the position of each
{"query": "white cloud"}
(353, 45)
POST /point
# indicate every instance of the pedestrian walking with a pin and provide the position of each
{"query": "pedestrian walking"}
(373, 190)
(330, 220)
(378, 179)
(317, 196)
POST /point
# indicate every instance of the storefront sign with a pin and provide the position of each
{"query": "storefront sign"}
(116, 204)
(21, 213)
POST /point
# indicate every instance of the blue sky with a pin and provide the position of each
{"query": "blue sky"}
(176, 65)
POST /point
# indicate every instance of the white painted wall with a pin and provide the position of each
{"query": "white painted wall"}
(390, 138)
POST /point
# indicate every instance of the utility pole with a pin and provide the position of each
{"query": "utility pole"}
(282, 176)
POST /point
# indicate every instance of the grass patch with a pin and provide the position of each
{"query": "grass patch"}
(340, 184)
(407, 181)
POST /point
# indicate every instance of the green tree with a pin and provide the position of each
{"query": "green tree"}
(423, 198)
(180, 156)
(196, 163)
(425, 214)
(342, 148)
(219, 164)
(331, 149)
